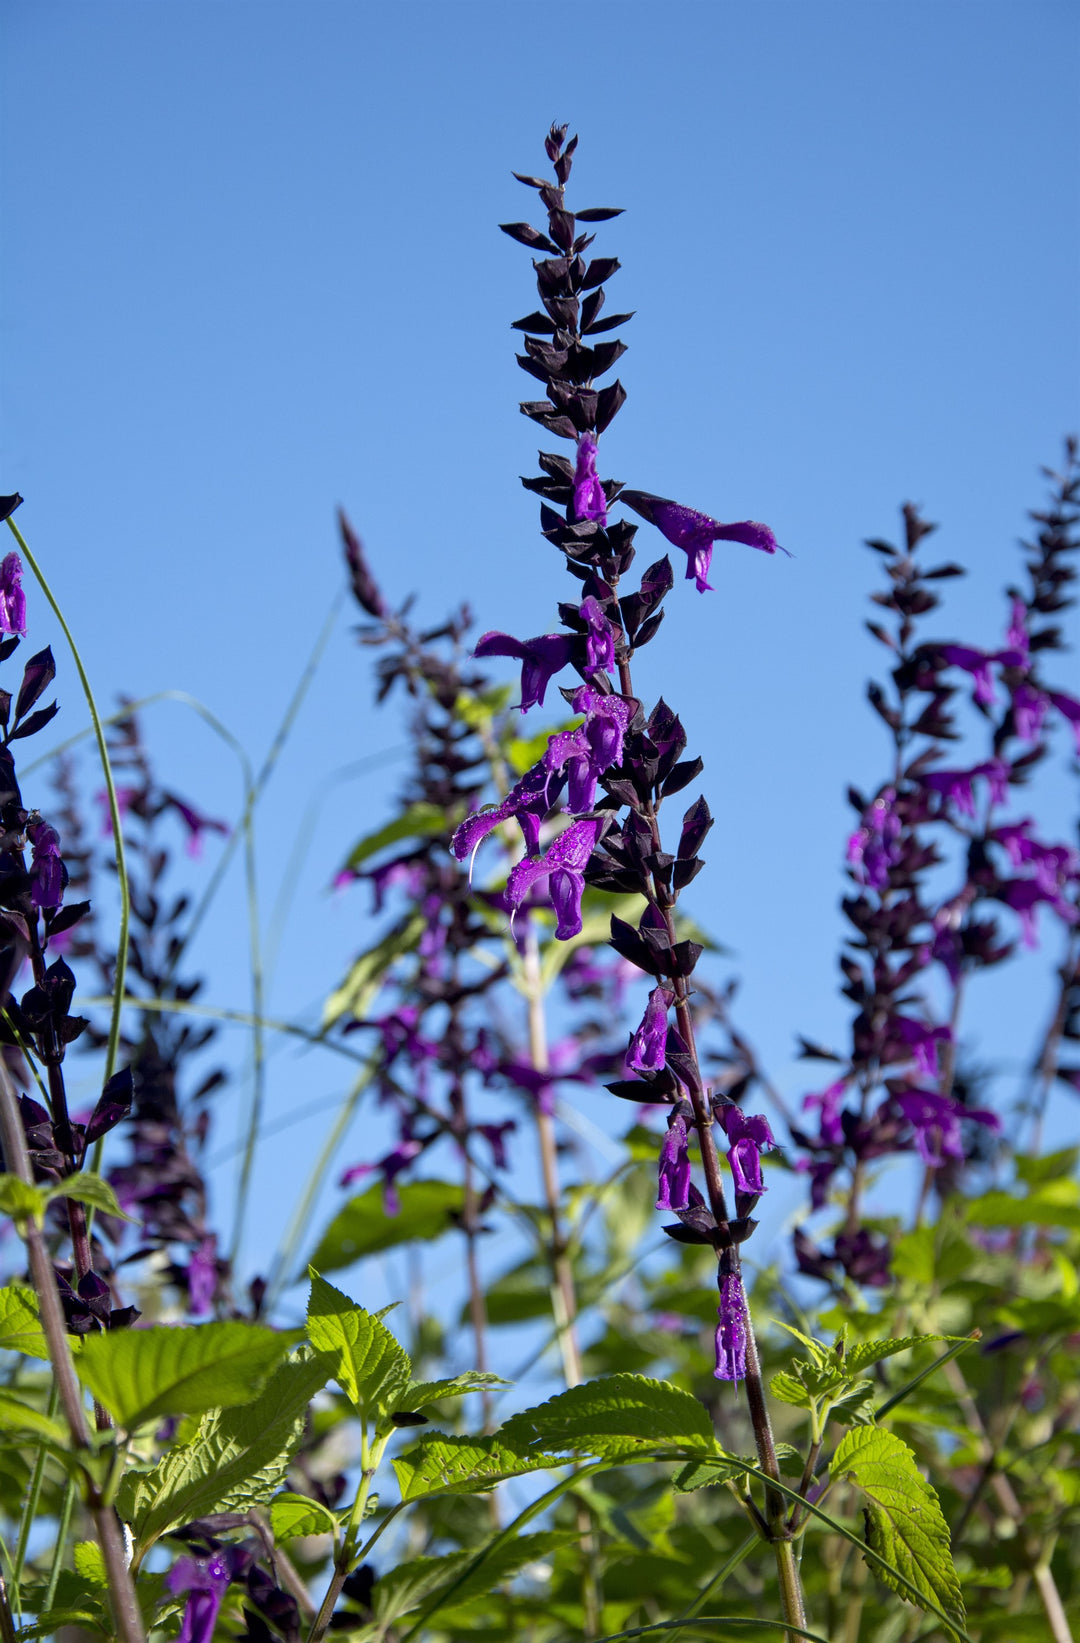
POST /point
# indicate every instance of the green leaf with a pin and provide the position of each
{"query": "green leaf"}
(597, 907)
(862, 1356)
(1048, 1166)
(90, 1564)
(19, 1200)
(16, 1416)
(1052, 1204)
(292, 1515)
(91, 1189)
(419, 821)
(420, 1393)
(20, 1324)
(405, 1587)
(363, 1226)
(621, 1414)
(904, 1524)
(364, 1358)
(854, 1406)
(358, 990)
(461, 1465)
(789, 1389)
(720, 1468)
(140, 1373)
(236, 1459)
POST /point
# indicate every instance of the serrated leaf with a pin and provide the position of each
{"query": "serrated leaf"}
(293, 1515)
(140, 1373)
(789, 1389)
(363, 1227)
(236, 1459)
(720, 1468)
(419, 1393)
(867, 1352)
(20, 1323)
(904, 1523)
(357, 992)
(418, 821)
(91, 1189)
(89, 1563)
(621, 1414)
(461, 1465)
(854, 1406)
(423, 1578)
(364, 1358)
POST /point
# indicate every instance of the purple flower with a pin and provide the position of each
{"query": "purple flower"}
(1029, 710)
(830, 1102)
(589, 499)
(540, 659)
(647, 1052)
(873, 850)
(495, 1136)
(922, 1041)
(594, 747)
(12, 597)
(975, 662)
(1054, 864)
(695, 532)
(731, 1330)
(196, 823)
(674, 1167)
(202, 1277)
(936, 1121)
(1024, 896)
(1017, 635)
(390, 1167)
(565, 865)
(1069, 707)
(600, 640)
(750, 1136)
(957, 786)
(48, 874)
(527, 803)
(204, 1579)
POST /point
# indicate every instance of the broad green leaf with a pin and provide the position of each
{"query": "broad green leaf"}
(292, 1515)
(90, 1563)
(91, 1189)
(1052, 1204)
(789, 1389)
(862, 1356)
(363, 1226)
(820, 1354)
(621, 1414)
(20, 1323)
(140, 1373)
(699, 1474)
(854, 1405)
(357, 992)
(904, 1524)
(479, 708)
(16, 1416)
(20, 1200)
(364, 1358)
(417, 822)
(237, 1458)
(425, 1578)
(1048, 1166)
(420, 1393)
(461, 1465)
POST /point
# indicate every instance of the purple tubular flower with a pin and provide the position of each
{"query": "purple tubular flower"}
(830, 1102)
(1069, 708)
(975, 662)
(204, 1579)
(202, 1277)
(527, 803)
(936, 1122)
(540, 660)
(731, 1330)
(922, 1041)
(696, 532)
(648, 1047)
(674, 1167)
(873, 850)
(1017, 635)
(594, 747)
(565, 864)
(750, 1137)
(589, 499)
(1030, 708)
(600, 641)
(1024, 896)
(12, 597)
(47, 872)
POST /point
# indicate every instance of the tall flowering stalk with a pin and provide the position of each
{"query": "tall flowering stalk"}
(622, 762)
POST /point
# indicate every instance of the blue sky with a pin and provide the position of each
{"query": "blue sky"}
(252, 271)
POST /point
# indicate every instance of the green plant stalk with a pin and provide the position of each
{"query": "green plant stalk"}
(370, 1456)
(63, 1527)
(738, 1556)
(114, 813)
(33, 1495)
(236, 1018)
(258, 1043)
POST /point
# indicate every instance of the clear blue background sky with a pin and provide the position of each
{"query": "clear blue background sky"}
(251, 269)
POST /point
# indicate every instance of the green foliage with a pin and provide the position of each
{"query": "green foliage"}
(140, 1373)
(420, 1394)
(417, 821)
(21, 1201)
(459, 1576)
(359, 1352)
(22, 1418)
(461, 1465)
(620, 1415)
(233, 1460)
(20, 1323)
(363, 1227)
(93, 1190)
(904, 1523)
(294, 1515)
